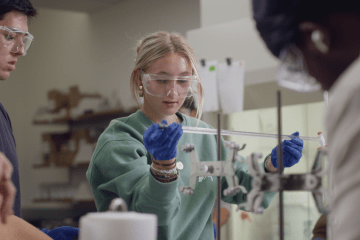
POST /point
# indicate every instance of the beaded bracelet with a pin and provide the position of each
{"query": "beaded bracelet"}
(165, 165)
(175, 175)
(164, 179)
(164, 172)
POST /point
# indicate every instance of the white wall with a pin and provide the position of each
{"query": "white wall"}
(93, 51)
(117, 31)
(214, 11)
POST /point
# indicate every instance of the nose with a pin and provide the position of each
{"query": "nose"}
(20, 50)
(172, 93)
(172, 89)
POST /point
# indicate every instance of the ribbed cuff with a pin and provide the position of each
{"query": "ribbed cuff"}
(162, 191)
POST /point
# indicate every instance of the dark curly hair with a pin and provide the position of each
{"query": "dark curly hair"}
(22, 6)
(278, 20)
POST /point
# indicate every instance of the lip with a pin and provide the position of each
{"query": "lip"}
(170, 103)
(12, 65)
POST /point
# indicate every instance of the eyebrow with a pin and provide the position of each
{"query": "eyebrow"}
(183, 73)
(19, 30)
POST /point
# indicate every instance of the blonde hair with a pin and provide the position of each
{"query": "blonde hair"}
(156, 46)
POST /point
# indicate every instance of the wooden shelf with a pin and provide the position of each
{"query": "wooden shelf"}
(64, 200)
(41, 165)
(94, 121)
(60, 200)
(80, 165)
(93, 118)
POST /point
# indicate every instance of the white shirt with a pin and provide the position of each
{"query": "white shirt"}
(342, 122)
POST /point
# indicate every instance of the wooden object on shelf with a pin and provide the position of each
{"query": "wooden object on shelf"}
(68, 100)
(60, 149)
(75, 96)
(61, 104)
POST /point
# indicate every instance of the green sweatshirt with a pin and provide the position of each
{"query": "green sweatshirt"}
(120, 167)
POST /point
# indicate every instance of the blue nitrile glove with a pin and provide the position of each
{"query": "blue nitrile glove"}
(162, 142)
(214, 226)
(62, 233)
(292, 151)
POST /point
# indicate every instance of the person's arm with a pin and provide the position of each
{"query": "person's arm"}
(17, 228)
(245, 180)
(7, 189)
(161, 142)
(292, 152)
(269, 167)
(120, 167)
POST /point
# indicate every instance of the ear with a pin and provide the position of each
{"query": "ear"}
(315, 38)
(137, 75)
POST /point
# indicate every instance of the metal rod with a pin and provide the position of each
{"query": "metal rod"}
(218, 178)
(280, 167)
(211, 131)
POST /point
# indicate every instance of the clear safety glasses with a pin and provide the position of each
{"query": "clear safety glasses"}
(162, 85)
(293, 73)
(15, 39)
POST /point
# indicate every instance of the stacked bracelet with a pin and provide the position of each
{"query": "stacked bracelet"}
(165, 165)
(162, 178)
(164, 175)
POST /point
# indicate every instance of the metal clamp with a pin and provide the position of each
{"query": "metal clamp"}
(118, 205)
(214, 168)
(286, 182)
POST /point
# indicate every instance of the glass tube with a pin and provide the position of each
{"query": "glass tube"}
(211, 131)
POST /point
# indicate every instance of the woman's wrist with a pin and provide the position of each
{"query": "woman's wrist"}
(162, 173)
(164, 164)
(269, 166)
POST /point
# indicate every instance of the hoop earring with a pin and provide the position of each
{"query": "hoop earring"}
(141, 91)
(318, 39)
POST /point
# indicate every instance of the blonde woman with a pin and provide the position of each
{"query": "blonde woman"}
(136, 156)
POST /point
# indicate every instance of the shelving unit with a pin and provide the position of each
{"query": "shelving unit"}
(83, 130)
(89, 118)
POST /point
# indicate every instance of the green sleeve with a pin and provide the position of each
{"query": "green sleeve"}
(119, 169)
(245, 180)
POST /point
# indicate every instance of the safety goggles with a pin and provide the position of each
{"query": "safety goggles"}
(162, 85)
(293, 73)
(15, 39)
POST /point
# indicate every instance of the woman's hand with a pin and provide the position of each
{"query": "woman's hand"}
(161, 140)
(292, 151)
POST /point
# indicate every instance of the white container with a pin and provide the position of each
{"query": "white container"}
(118, 225)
